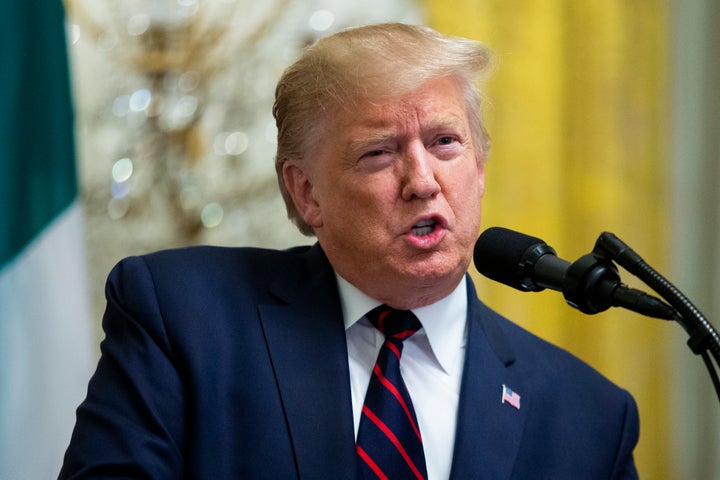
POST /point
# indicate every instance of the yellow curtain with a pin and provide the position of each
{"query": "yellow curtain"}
(578, 115)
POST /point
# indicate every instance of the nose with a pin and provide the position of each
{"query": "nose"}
(419, 177)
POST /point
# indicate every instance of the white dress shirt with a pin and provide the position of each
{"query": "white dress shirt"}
(431, 366)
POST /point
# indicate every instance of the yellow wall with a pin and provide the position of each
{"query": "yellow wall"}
(578, 116)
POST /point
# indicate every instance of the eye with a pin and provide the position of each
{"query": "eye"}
(446, 140)
(373, 153)
(446, 147)
(375, 159)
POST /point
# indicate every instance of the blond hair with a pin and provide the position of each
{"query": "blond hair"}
(369, 63)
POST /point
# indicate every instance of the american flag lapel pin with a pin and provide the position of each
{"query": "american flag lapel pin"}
(510, 397)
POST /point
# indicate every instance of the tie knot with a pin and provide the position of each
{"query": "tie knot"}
(396, 324)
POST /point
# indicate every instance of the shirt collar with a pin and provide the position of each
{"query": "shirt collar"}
(443, 321)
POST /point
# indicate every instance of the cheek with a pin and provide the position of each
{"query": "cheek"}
(353, 206)
(466, 194)
(467, 184)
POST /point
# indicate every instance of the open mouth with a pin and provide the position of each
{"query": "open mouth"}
(424, 227)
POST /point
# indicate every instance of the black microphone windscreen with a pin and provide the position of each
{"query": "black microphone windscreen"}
(499, 255)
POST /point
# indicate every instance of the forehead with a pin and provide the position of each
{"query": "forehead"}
(436, 103)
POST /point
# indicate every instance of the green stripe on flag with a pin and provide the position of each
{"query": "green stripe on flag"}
(37, 166)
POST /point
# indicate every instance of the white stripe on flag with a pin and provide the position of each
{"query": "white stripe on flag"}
(46, 352)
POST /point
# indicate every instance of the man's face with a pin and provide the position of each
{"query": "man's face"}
(393, 193)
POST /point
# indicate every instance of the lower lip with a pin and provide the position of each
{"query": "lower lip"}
(429, 241)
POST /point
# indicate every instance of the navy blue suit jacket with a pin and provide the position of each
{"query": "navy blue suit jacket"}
(226, 363)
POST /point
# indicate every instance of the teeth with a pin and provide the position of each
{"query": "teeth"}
(424, 227)
(420, 231)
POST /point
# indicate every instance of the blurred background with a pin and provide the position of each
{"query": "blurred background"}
(131, 126)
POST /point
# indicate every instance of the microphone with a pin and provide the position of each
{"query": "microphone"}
(591, 284)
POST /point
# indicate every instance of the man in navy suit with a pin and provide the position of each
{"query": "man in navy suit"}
(254, 363)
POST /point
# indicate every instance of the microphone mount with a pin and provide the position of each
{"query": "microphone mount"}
(591, 284)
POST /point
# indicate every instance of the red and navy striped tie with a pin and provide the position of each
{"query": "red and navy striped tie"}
(389, 445)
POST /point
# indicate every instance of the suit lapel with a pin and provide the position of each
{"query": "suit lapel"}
(306, 342)
(488, 430)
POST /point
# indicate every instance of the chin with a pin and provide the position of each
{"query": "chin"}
(429, 274)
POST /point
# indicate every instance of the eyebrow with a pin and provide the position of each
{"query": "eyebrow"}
(372, 139)
(378, 133)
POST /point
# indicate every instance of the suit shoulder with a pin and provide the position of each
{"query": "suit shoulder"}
(208, 271)
(209, 259)
(215, 255)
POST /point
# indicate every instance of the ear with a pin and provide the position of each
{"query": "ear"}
(300, 187)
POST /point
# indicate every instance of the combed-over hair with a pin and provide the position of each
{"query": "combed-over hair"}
(369, 63)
